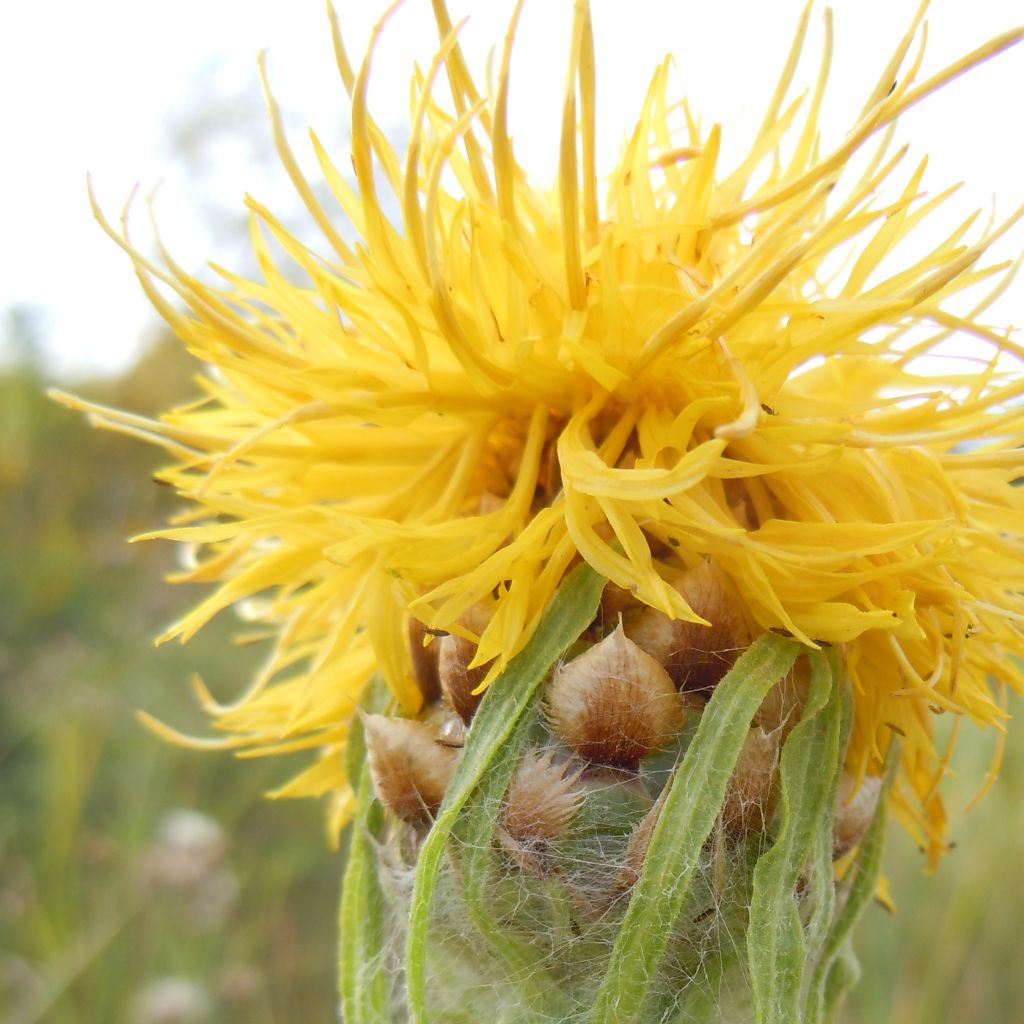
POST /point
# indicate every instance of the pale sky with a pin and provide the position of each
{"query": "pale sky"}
(93, 87)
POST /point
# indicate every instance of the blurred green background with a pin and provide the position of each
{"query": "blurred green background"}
(112, 906)
(116, 906)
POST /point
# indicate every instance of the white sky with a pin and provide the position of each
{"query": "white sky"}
(90, 87)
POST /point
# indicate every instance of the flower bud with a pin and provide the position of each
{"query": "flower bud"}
(614, 704)
(695, 656)
(458, 680)
(855, 807)
(409, 769)
(542, 799)
(752, 790)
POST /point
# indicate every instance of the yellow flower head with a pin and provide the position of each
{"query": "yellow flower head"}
(644, 370)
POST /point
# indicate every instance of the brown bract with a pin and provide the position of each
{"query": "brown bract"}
(409, 769)
(694, 655)
(542, 798)
(458, 680)
(424, 661)
(614, 704)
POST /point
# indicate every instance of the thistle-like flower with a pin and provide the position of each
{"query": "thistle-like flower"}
(710, 384)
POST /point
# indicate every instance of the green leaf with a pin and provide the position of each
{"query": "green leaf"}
(691, 808)
(362, 982)
(810, 764)
(835, 964)
(845, 973)
(821, 882)
(496, 723)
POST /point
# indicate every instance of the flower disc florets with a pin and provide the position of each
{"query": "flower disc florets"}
(649, 370)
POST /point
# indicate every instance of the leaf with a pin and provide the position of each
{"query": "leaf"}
(810, 765)
(362, 982)
(691, 808)
(845, 973)
(836, 961)
(821, 884)
(506, 702)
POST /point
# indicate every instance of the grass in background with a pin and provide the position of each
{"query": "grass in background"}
(100, 921)
(951, 951)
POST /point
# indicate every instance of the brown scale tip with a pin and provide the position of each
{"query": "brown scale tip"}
(696, 656)
(458, 680)
(409, 769)
(752, 790)
(614, 704)
(542, 799)
(855, 807)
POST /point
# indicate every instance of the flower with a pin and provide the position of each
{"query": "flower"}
(648, 370)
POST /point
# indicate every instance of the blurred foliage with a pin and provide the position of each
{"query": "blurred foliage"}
(85, 923)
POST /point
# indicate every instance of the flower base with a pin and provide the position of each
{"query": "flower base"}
(654, 903)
